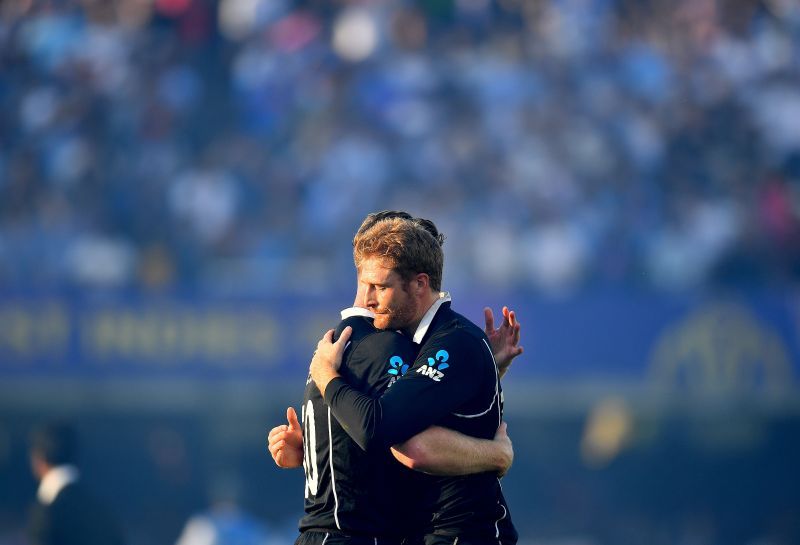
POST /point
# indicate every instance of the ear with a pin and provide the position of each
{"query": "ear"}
(422, 283)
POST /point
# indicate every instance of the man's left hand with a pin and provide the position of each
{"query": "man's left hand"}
(505, 340)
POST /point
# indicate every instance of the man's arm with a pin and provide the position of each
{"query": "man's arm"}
(415, 402)
(442, 451)
(436, 451)
(504, 342)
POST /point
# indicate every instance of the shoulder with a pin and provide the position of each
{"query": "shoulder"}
(448, 321)
(468, 327)
(372, 361)
(366, 335)
(362, 326)
(381, 342)
(459, 331)
(457, 338)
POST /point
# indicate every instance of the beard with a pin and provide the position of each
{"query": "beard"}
(395, 317)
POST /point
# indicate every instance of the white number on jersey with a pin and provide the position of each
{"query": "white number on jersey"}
(310, 450)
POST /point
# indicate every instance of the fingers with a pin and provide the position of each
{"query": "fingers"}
(514, 325)
(277, 430)
(291, 417)
(324, 342)
(276, 447)
(284, 443)
(344, 337)
(510, 319)
(279, 439)
(279, 456)
(489, 318)
(502, 431)
(328, 338)
(505, 442)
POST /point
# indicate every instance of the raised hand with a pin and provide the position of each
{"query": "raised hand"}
(286, 442)
(504, 340)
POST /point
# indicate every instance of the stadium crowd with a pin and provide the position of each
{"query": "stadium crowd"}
(153, 144)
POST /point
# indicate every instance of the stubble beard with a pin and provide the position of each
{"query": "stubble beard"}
(394, 318)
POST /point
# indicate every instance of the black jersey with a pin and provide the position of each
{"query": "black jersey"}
(348, 490)
(453, 383)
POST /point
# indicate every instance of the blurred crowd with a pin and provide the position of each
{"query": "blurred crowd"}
(235, 145)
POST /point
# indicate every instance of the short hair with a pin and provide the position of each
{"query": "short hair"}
(374, 217)
(429, 226)
(412, 246)
(55, 442)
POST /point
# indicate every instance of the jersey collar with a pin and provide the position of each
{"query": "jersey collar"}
(422, 328)
(54, 481)
(357, 311)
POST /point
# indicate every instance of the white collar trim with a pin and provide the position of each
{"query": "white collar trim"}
(357, 311)
(54, 481)
(422, 328)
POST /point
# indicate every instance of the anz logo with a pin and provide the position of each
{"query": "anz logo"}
(435, 367)
(397, 368)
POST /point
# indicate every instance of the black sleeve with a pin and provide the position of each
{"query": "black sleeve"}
(445, 376)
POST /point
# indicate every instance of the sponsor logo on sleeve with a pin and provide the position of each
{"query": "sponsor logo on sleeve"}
(435, 366)
(397, 368)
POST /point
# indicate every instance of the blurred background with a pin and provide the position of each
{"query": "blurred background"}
(180, 181)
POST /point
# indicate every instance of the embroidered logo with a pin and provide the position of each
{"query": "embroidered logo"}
(435, 367)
